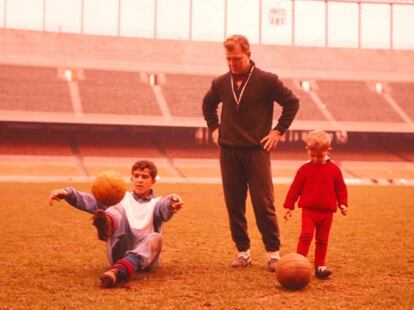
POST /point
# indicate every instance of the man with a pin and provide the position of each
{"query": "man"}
(132, 228)
(245, 136)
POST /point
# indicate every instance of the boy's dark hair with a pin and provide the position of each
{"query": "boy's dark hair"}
(145, 164)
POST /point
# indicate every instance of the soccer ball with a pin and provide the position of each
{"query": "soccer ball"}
(108, 188)
(293, 271)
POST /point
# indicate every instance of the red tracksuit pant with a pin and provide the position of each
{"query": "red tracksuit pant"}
(319, 222)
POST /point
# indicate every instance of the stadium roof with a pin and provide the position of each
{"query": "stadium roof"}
(377, 1)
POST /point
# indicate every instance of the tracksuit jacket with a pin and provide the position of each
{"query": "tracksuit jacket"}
(246, 123)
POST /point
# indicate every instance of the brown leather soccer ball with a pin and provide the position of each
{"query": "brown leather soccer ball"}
(293, 271)
(108, 188)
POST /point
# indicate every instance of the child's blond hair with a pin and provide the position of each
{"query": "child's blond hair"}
(318, 140)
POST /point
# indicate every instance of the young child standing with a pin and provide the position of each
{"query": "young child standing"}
(321, 189)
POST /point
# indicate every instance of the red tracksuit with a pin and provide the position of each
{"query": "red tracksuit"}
(321, 189)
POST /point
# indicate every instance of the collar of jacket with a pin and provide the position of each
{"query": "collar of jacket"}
(144, 198)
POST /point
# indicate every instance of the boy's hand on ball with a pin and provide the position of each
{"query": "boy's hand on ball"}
(287, 215)
(176, 203)
(57, 194)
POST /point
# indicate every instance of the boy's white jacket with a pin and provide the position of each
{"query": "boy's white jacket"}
(141, 218)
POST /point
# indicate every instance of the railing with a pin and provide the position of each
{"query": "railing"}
(330, 23)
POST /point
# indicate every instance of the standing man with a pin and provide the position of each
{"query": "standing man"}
(245, 136)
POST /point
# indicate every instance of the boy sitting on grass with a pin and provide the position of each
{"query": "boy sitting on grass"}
(131, 228)
(320, 187)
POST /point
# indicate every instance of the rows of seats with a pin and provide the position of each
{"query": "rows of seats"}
(354, 101)
(89, 152)
(403, 93)
(41, 89)
(29, 88)
(308, 109)
(27, 142)
(116, 92)
(184, 93)
(93, 143)
(90, 143)
(186, 147)
(111, 144)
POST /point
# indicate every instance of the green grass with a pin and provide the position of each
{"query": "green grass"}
(50, 257)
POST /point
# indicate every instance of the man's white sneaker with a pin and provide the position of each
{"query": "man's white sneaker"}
(241, 261)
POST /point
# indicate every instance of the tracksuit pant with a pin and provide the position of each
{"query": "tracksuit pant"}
(249, 169)
(132, 251)
(320, 223)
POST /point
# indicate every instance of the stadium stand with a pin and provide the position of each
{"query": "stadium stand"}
(403, 93)
(308, 109)
(122, 116)
(185, 146)
(114, 143)
(184, 93)
(31, 88)
(26, 141)
(116, 92)
(190, 57)
(174, 58)
(354, 101)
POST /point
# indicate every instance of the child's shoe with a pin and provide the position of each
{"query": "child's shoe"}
(322, 272)
(110, 278)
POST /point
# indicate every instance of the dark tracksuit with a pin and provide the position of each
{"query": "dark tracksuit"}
(243, 161)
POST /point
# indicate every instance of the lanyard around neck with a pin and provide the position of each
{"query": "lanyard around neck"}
(244, 86)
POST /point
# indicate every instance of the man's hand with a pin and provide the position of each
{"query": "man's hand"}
(215, 135)
(288, 214)
(271, 140)
(344, 209)
(176, 203)
(57, 194)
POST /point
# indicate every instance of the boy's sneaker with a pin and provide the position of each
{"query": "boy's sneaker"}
(109, 278)
(322, 272)
(272, 263)
(103, 224)
(242, 261)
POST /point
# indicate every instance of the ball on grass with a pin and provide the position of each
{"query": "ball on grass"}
(293, 271)
(108, 188)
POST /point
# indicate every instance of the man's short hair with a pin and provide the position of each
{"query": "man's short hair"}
(237, 39)
(318, 140)
(145, 164)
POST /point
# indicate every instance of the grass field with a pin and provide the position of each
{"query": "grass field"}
(50, 257)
